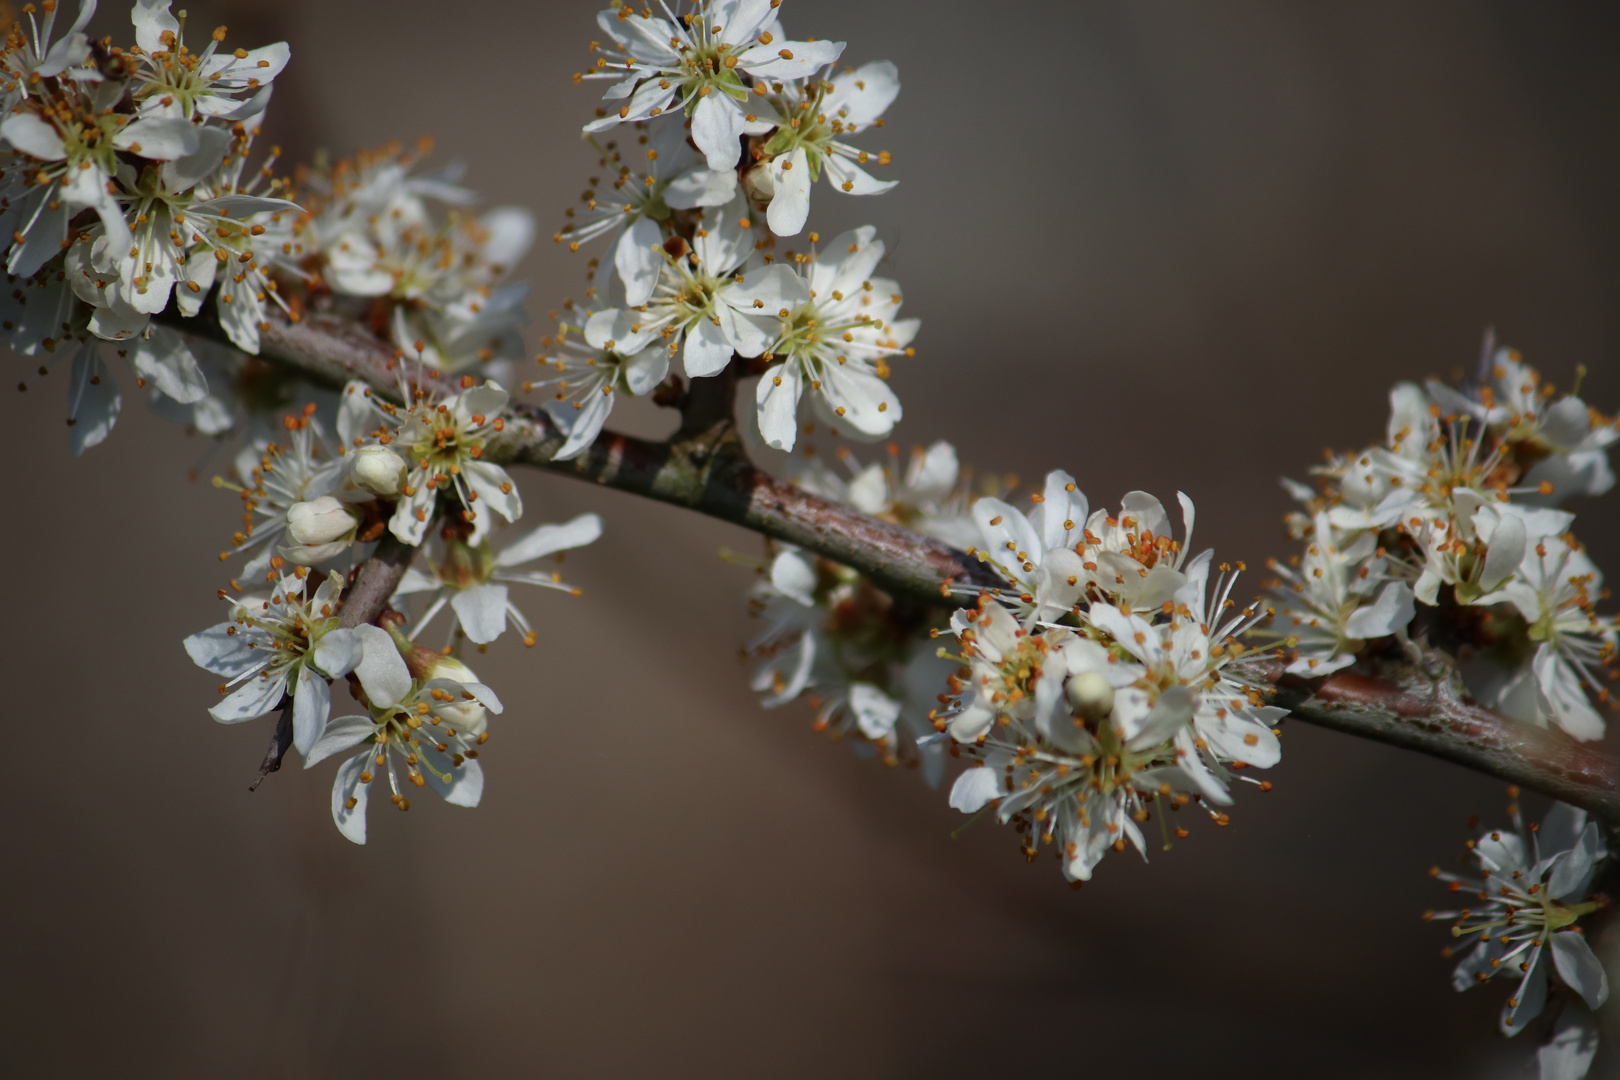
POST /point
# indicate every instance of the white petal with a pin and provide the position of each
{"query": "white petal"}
(312, 700)
(160, 138)
(338, 651)
(162, 358)
(1579, 968)
(251, 700)
(639, 257)
(151, 19)
(975, 788)
(341, 734)
(1392, 610)
(793, 574)
(789, 59)
(495, 489)
(93, 400)
(223, 650)
(33, 136)
(701, 186)
(381, 670)
(466, 786)
(875, 711)
(347, 785)
(717, 128)
(776, 401)
(1568, 1054)
(707, 350)
(790, 205)
(859, 97)
(482, 611)
(549, 539)
(851, 179)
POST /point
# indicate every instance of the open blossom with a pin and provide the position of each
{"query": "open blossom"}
(371, 232)
(1555, 591)
(442, 443)
(639, 205)
(426, 716)
(1061, 552)
(867, 667)
(812, 118)
(281, 643)
(589, 367)
(473, 579)
(1078, 731)
(1522, 912)
(720, 297)
(708, 63)
(836, 343)
(1565, 440)
(173, 81)
(928, 491)
(1336, 601)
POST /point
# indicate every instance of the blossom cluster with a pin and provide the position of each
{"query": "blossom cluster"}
(435, 285)
(125, 189)
(314, 505)
(1105, 680)
(1454, 531)
(732, 122)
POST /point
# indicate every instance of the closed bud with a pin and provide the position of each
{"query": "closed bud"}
(320, 521)
(1090, 695)
(378, 469)
(467, 717)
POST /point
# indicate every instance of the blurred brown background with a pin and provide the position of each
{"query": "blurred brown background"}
(1161, 244)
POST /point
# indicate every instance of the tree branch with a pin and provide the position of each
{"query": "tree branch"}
(703, 468)
(1424, 707)
(1415, 706)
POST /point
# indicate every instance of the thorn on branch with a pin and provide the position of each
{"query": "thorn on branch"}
(280, 742)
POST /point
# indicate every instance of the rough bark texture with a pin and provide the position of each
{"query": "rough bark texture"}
(1413, 705)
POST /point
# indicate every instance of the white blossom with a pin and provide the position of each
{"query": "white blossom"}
(639, 206)
(282, 643)
(867, 667)
(812, 117)
(702, 63)
(836, 343)
(473, 579)
(429, 716)
(174, 82)
(1522, 912)
(442, 443)
(619, 354)
(720, 297)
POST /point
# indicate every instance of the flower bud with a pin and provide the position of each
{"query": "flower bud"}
(378, 469)
(759, 184)
(1090, 695)
(467, 717)
(320, 521)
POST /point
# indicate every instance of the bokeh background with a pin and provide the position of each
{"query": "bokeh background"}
(1164, 245)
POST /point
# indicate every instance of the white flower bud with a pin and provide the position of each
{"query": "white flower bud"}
(377, 469)
(467, 717)
(759, 183)
(320, 521)
(1090, 695)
